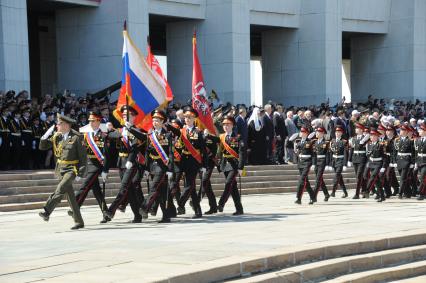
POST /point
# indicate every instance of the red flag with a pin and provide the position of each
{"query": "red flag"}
(199, 94)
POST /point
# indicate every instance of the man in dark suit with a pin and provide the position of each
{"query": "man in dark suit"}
(280, 133)
(240, 121)
(269, 131)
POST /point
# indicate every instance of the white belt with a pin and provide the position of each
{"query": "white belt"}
(4, 131)
(376, 159)
(387, 153)
(304, 156)
(320, 156)
(16, 134)
(404, 154)
(27, 131)
(359, 152)
(422, 154)
(338, 156)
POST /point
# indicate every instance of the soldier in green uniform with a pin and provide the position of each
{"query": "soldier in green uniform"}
(71, 165)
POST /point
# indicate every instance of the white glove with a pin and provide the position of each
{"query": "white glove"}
(345, 168)
(109, 126)
(313, 167)
(311, 135)
(349, 164)
(206, 132)
(77, 179)
(203, 170)
(34, 144)
(382, 170)
(240, 172)
(129, 165)
(411, 166)
(48, 133)
(393, 165)
(146, 174)
(23, 143)
(104, 176)
(169, 175)
(415, 166)
(128, 124)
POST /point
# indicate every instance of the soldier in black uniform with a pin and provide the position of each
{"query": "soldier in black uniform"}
(375, 154)
(358, 157)
(5, 149)
(129, 168)
(321, 158)
(37, 131)
(206, 186)
(194, 157)
(97, 164)
(420, 147)
(339, 151)
(304, 149)
(404, 147)
(27, 158)
(159, 160)
(232, 156)
(389, 163)
(16, 139)
(413, 175)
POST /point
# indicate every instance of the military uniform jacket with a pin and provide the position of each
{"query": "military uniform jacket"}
(27, 133)
(404, 151)
(321, 155)
(70, 153)
(357, 150)
(128, 150)
(153, 158)
(4, 130)
(93, 163)
(304, 151)
(339, 152)
(375, 154)
(420, 147)
(390, 152)
(227, 161)
(211, 150)
(15, 128)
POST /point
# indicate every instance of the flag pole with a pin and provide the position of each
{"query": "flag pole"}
(127, 96)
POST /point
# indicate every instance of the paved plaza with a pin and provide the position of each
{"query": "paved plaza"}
(32, 250)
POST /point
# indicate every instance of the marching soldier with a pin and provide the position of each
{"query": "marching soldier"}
(339, 151)
(390, 163)
(159, 160)
(71, 165)
(413, 135)
(129, 168)
(304, 151)
(404, 147)
(420, 147)
(375, 154)
(232, 155)
(358, 157)
(320, 160)
(97, 164)
(194, 157)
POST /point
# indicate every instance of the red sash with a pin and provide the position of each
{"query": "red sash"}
(177, 155)
(195, 153)
(227, 147)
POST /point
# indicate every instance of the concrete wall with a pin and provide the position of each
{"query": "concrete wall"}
(48, 57)
(392, 65)
(14, 60)
(90, 42)
(223, 49)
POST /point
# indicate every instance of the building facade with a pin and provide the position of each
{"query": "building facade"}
(301, 44)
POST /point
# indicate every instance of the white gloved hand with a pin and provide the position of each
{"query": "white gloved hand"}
(77, 179)
(48, 133)
(382, 170)
(345, 168)
(146, 174)
(23, 143)
(128, 124)
(206, 132)
(109, 126)
(350, 164)
(203, 170)
(415, 166)
(169, 175)
(393, 165)
(129, 165)
(240, 172)
(34, 144)
(411, 166)
(314, 167)
(104, 176)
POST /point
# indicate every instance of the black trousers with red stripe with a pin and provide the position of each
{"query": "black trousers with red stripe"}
(338, 179)
(91, 182)
(207, 188)
(157, 192)
(391, 180)
(129, 190)
(190, 190)
(422, 179)
(375, 180)
(231, 188)
(320, 184)
(304, 183)
(361, 182)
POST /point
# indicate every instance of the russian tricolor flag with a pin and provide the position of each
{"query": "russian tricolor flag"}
(143, 88)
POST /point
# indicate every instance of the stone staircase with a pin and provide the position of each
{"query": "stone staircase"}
(22, 190)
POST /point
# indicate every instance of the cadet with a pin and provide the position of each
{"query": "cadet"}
(339, 151)
(420, 147)
(358, 157)
(27, 158)
(390, 163)
(4, 139)
(375, 154)
(304, 151)
(320, 160)
(404, 147)
(71, 165)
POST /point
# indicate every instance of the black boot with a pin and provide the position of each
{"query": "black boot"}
(44, 215)
(212, 210)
